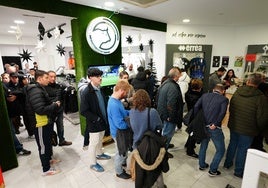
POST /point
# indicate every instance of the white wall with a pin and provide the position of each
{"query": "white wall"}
(143, 36)
(47, 60)
(226, 41)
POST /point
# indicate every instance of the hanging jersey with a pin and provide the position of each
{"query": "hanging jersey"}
(197, 68)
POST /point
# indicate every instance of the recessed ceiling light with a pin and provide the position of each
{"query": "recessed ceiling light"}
(109, 4)
(186, 20)
(13, 27)
(11, 31)
(19, 21)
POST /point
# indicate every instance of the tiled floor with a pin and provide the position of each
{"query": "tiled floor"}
(75, 171)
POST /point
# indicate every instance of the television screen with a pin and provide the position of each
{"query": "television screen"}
(110, 73)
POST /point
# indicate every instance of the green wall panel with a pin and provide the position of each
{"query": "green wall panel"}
(8, 156)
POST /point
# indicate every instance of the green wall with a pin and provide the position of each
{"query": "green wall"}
(8, 156)
(84, 56)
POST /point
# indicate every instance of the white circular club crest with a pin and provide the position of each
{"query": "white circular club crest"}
(102, 35)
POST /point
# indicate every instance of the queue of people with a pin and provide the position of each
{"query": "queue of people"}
(127, 108)
(37, 98)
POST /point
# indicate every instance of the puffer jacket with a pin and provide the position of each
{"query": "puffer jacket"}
(248, 111)
(40, 101)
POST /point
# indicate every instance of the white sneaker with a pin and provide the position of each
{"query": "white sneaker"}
(51, 172)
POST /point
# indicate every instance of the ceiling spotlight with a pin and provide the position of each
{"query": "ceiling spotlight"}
(19, 21)
(40, 37)
(186, 20)
(61, 30)
(49, 35)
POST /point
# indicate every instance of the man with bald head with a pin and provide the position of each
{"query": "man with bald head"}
(170, 104)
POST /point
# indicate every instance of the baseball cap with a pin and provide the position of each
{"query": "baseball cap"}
(94, 72)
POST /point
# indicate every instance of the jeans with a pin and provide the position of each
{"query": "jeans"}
(17, 144)
(168, 131)
(60, 128)
(239, 144)
(217, 137)
(119, 160)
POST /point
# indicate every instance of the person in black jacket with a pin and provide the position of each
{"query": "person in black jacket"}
(191, 97)
(93, 108)
(55, 93)
(141, 81)
(44, 110)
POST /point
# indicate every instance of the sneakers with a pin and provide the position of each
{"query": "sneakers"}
(51, 172)
(24, 152)
(123, 175)
(85, 148)
(204, 168)
(103, 157)
(97, 167)
(65, 143)
(171, 146)
(212, 174)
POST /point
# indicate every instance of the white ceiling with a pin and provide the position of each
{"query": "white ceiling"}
(31, 19)
(200, 12)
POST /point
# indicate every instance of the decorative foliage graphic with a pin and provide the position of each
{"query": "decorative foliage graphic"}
(61, 50)
(25, 55)
(141, 47)
(151, 42)
(41, 29)
(129, 39)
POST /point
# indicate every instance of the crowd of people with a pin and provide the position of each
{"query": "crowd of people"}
(134, 98)
(35, 96)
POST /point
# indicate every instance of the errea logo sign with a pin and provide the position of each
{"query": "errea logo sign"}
(102, 35)
(190, 48)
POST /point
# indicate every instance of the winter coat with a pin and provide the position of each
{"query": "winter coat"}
(40, 101)
(15, 108)
(214, 79)
(169, 102)
(214, 107)
(151, 159)
(248, 111)
(141, 82)
(90, 109)
(183, 82)
(55, 93)
(191, 97)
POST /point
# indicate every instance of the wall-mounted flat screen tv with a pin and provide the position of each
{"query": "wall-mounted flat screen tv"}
(110, 73)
